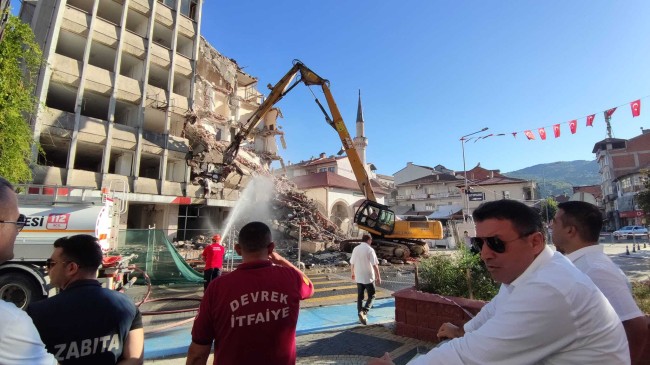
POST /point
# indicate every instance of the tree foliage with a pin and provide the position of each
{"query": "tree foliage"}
(459, 275)
(20, 61)
(643, 197)
(548, 207)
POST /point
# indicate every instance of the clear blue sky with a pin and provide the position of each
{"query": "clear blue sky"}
(433, 71)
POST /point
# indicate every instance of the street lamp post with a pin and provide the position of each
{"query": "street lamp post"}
(462, 146)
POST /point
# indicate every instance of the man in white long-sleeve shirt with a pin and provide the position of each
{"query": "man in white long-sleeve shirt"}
(546, 311)
(19, 340)
(576, 231)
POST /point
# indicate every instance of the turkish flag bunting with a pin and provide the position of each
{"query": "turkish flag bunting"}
(636, 108)
(556, 130)
(542, 133)
(574, 124)
(608, 113)
(529, 135)
(590, 120)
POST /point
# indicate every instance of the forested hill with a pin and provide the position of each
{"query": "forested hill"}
(557, 178)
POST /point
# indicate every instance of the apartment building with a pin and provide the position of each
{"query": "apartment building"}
(119, 85)
(620, 163)
(441, 194)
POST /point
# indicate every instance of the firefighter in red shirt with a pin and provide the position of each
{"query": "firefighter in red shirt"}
(213, 257)
(250, 315)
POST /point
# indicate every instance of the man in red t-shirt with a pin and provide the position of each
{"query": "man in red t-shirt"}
(213, 257)
(251, 313)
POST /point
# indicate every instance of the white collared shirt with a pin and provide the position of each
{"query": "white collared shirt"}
(20, 343)
(609, 278)
(551, 314)
(363, 258)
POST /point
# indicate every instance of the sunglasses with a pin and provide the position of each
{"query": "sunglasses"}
(20, 223)
(494, 243)
(49, 263)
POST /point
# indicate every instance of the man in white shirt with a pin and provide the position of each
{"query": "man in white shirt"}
(546, 311)
(19, 340)
(365, 270)
(576, 230)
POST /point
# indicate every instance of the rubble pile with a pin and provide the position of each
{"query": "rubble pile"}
(226, 97)
(293, 208)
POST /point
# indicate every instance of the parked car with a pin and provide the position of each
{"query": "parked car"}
(630, 232)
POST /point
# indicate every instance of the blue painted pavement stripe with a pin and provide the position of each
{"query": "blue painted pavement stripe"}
(175, 341)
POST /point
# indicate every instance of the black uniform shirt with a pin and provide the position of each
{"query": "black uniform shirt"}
(85, 323)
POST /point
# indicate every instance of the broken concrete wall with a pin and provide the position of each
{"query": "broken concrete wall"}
(225, 98)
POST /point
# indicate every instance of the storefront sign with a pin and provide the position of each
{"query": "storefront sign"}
(474, 197)
(631, 214)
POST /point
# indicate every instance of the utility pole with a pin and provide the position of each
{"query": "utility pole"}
(466, 197)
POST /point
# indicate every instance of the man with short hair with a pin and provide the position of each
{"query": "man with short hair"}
(251, 313)
(19, 340)
(85, 323)
(576, 232)
(365, 270)
(213, 257)
(546, 311)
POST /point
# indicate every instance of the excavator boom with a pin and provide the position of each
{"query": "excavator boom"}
(371, 216)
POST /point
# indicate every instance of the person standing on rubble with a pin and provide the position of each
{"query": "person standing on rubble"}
(20, 342)
(365, 271)
(251, 313)
(213, 256)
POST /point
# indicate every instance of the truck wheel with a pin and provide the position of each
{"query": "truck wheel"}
(19, 289)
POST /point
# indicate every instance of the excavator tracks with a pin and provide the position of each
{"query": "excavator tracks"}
(386, 249)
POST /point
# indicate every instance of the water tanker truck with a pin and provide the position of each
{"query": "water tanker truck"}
(53, 212)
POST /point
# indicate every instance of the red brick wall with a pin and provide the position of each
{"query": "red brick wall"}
(420, 315)
(646, 353)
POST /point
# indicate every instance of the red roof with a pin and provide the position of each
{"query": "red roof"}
(478, 173)
(323, 179)
(594, 190)
(318, 161)
(330, 179)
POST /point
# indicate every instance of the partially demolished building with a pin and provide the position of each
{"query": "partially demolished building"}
(134, 98)
(121, 85)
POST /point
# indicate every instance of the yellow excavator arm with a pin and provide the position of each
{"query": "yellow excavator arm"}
(308, 77)
(371, 216)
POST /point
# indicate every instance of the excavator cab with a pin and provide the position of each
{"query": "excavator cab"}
(375, 218)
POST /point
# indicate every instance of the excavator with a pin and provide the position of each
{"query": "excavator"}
(392, 238)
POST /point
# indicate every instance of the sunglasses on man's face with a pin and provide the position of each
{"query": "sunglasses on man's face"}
(494, 243)
(20, 222)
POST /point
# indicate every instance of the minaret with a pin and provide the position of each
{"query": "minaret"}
(360, 141)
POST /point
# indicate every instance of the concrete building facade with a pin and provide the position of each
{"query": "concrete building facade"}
(620, 162)
(120, 82)
(442, 193)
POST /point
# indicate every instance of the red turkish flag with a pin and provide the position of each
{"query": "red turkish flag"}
(556, 130)
(542, 133)
(636, 108)
(529, 135)
(590, 120)
(609, 112)
(573, 125)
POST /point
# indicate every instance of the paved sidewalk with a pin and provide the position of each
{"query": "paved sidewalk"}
(325, 335)
(332, 335)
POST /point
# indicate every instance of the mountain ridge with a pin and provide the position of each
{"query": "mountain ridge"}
(557, 178)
